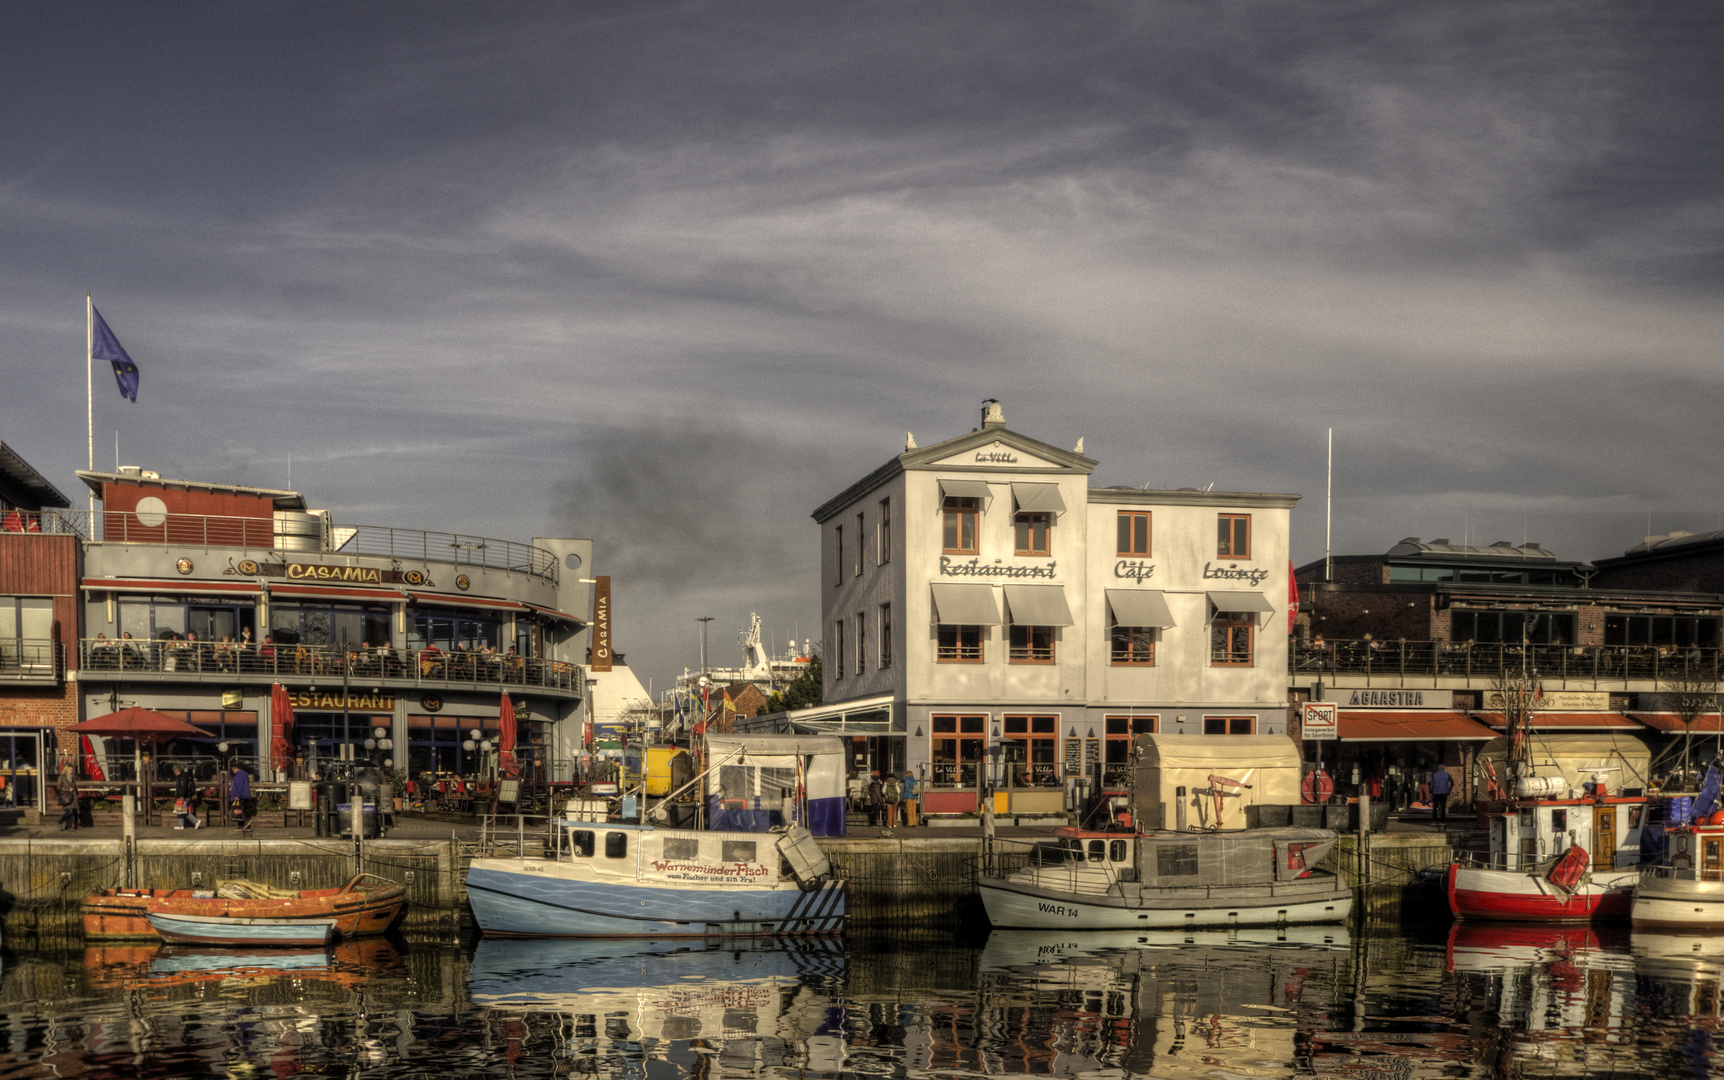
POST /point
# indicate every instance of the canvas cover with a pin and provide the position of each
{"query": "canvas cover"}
(751, 782)
(1574, 757)
(1268, 764)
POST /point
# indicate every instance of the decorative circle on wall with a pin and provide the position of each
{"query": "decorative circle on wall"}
(184, 566)
(463, 583)
(572, 561)
(151, 511)
(249, 567)
(431, 703)
(414, 577)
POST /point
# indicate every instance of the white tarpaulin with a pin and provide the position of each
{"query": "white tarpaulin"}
(1266, 767)
(1575, 758)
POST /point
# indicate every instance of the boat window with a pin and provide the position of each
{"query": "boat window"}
(616, 845)
(1634, 816)
(1176, 860)
(1097, 849)
(1116, 850)
(1559, 820)
(681, 847)
(1526, 821)
(738, 851)
(581, 843)
(733, 782)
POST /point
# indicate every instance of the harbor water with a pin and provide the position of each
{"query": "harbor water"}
(1379, 1001)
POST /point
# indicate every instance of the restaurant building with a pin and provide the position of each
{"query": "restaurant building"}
(991, 621)
(197, 597)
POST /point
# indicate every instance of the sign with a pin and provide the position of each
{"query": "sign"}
(1320, 723)
(359, 702)
(1557, 701)
(358, 575)
(1396, 699)
(950, 567)
(431, 703)
(233, 699)
(508, 791)
(299, 795)
(1138, 570)
(601, 658)
(1233, 572)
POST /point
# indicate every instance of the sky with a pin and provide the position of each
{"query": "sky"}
(669, 275)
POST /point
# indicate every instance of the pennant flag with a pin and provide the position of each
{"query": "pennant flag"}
(1292, 596)
(105, 346)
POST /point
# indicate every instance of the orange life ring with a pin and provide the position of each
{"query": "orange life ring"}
(1317, 787)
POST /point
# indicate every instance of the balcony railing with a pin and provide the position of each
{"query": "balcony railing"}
(327, 664)
(46, 522)
(29, 660)
(1597, 664)
(261, 535)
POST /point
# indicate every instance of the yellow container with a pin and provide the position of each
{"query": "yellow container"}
(658, 769)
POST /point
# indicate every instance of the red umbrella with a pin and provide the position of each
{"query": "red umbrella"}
(281, 722)
(143, 725)
(506, 741)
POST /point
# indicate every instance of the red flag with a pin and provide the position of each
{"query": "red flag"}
(13, 522)
(92, 767)
(506, 737)
(1292, 596)
(281, 725)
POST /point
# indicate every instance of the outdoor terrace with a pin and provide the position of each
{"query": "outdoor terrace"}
(1433, 663)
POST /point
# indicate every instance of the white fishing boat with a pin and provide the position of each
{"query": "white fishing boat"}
(1684, 890)
(628, 879)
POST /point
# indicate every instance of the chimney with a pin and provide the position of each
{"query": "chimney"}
(992, 416)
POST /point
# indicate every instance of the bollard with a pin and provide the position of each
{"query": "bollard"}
(129, 834)
(1364, 838)
(1179, 809)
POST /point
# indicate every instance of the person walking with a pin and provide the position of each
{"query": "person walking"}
(892, 793)
(1441, 784)
(240, 790)
(66, 790)
(186, 799)
(911, 806)
(875, 799)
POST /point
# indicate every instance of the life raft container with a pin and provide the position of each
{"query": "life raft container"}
(1569, 869)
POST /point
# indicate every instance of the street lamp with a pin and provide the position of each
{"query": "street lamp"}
(703, 620)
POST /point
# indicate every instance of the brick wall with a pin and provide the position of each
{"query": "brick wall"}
(29, 707)
(1347, 615)
(1699, 572)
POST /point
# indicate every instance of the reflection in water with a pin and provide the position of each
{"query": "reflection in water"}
(1478, 1001)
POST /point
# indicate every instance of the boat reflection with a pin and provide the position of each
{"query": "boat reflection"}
(132, 967)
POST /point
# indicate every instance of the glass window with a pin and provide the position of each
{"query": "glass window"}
(1031, 645)
(1230, 637)
(1133, 645)
(884, 532)
(860, 533)
(956, 749)
(1029, 749)
(838, 560)
(1235, 536)
(28, 617)
(1133, 533)
(959, 643)
(1031, 534)
(861, 642)
(958, 534)
(582, 842)
(838, 650)
(616, 845)
(885, 635)
(681, 847)
(1228, 725)
(737, 851)
(1538, 627)
(1116, 747)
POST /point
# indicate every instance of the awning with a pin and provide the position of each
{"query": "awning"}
(965, 605)
(964, 489)
(479, 602)
(1412, 726)
(182, 587)
(1558, 721)
(1038, 605)
(1034, 498)
(553, 613)
(1709, 723)
(1139, 607)
(1240, 601)
(338, 592)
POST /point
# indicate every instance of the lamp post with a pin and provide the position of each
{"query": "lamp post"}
(703, 620)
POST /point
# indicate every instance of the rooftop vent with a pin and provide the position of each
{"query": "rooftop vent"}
(131, 470)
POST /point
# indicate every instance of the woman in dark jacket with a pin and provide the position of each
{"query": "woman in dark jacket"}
(66, 789)
(186, 790)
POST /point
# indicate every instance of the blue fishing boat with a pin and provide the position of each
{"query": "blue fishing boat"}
(242, 930)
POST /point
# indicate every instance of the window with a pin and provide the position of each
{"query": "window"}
(859, 535)
(1029, 750)
(28, 617)
(958, 536)
(1228, 725)
(616, 845)
(861, 643)
(735, 851)
(1133, 533)
(1134, 646)
(1683, 631)
(959, 644)
(1116, 748)
(956, 749)
(1031, 532)
(885, 635)
(838, 557)
(883, 533)
(1539, 627)
(838, 649)
(681, 847)
(1031, 645)
(581, 843)
(1235, 536)
(1230, 638)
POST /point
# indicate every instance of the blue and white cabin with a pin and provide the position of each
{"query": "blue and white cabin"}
(755, 783)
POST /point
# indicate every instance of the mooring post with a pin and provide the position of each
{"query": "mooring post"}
(1179, 809)
(1364, 837)
(129, 833)
(358, 830)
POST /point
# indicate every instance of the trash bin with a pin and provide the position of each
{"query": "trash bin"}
(1273, 815)
(1308, 816)
(329, 794)
(1338, 817)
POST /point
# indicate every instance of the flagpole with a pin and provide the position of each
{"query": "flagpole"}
(90, 395)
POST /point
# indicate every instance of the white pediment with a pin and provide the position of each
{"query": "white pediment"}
(997, 455)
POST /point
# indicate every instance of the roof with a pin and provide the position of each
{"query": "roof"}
(1561, 721)
(1412, 546)
(1423, 725)
(1216, 751)
(17, 475)
(283, 500)
(1708, 723)
(1671, 540)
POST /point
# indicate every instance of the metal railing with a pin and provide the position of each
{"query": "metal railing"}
(46, 522)
(179, 658)
(29, 659)
(261, 535)
(1599, 664)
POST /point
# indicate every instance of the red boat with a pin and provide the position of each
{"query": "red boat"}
(367, 904)
(1553, 860)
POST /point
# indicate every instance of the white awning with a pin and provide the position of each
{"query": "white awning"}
(1240, 601)
(1139, 607)
(964, 489)
(1038, 605)
(1034, 498)
(965, 605)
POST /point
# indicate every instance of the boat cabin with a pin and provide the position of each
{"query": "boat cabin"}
(1198, 859)
(633, 852)
(754, 783)
(1695, 852)
(1529, 832)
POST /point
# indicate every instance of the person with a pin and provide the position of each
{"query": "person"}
(891, 794)
(1441, 784)
(874, 799)
(911, 806)
(186, 794)
(66, 790)
(241, 791)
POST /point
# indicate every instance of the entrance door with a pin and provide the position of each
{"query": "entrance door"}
(1604, 838)
(1711, 859)
(20, 765)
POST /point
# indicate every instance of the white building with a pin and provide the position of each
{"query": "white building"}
(992, 620)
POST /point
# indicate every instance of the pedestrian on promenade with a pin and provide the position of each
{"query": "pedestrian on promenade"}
(911, 806)
(240, 789)
(186, 799)
(874, 799)
(66, 790)
(1441, 784)
(892, 793)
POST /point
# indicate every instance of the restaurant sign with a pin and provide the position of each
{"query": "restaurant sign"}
(1557, 701)
(348, 575)
(950, 567)
(684, 870)
(351, 702)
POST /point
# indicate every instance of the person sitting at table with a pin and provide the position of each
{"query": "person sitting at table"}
(129, 655)
(245, 651)
(514, 664)
(102, 653)
(430, 659)
(266, 654)
(490, 663)
(388, 664)
(226, 657)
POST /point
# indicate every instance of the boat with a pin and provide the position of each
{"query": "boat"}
(762, 873)
(1684, 889)
(365, 905)
(243, 930)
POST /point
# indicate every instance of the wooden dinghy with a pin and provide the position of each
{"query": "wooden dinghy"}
(366, 904)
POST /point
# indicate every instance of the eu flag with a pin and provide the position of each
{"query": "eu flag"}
(107, 347)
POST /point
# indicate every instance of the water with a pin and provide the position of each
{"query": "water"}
(1379, 1002)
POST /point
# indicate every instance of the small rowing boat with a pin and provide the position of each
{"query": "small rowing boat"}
(242, 930)
(365, 905)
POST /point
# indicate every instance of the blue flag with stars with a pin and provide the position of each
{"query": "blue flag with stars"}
(105, 346)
